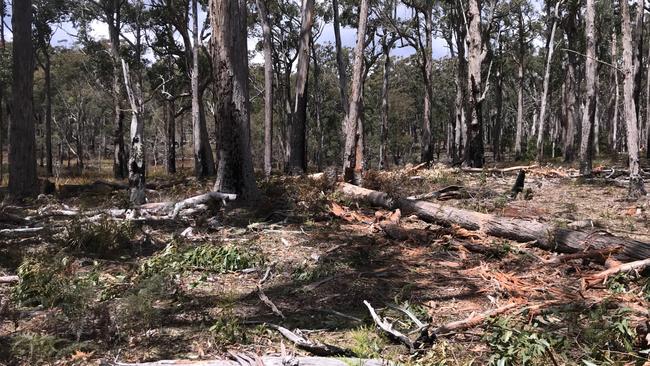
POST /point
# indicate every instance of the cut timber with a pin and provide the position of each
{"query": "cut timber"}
(202, 200)
(543, 235)
(245, 360)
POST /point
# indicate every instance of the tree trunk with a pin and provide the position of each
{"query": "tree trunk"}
(203, 159)
(547, 76)
(318, 99)
(636, 188)
(170, 115)
(614, 121)
(268, 87)
(297, 154)
(589, 115)
(340, 64)
(475, 56)
(136, 158)
(570, 111)
(48, 113)
(383, 134)
(427, 148)
(352, 161)
(498, 123)
(520, 86)
(120, 169)
(543, 235)
(230, 65)
(22, 138)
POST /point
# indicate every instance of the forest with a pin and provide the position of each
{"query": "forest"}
(324, 182)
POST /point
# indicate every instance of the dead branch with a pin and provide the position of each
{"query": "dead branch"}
(626, 267)
(388, 329)
(496, 170)
(472, 321)
(265, 299)
(316, 348)
(598, 255)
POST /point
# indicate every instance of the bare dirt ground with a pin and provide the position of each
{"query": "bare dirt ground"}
(165, 292)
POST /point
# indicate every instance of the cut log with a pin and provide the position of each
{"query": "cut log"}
(542, 235)
(245, 360)
(202, 200)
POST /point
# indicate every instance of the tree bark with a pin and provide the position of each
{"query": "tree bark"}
(170, 114)
(589, 115)
(230, 65)
(22, 138)
(297, 146)
(520, 85)
(636, 188)
(340, 64)
(203, 159)
(543, 235)
(475, 56)
(353, 153)
(427, 148)
(136, 158)
(268, 86)
(48, 113)
(383, 133)
(614, 121)
(113, 17)
(547, 76)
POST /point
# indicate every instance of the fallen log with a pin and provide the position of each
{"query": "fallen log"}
(496, 170)
(542, 235)
(9, 279)
(246, 360)
(202, 200)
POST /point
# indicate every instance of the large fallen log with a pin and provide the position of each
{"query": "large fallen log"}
(542, 235)
(245, 360)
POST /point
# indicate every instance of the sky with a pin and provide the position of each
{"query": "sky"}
(65, 35)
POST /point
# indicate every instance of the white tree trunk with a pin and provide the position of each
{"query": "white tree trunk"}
(589, 115)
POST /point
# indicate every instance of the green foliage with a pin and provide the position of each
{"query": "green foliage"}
(207, 257)
(499, 250)
(608, 334)
(35, 349)
(53, 283)
(104, 239)
(139, 308)
(513, 345)
(366, 343)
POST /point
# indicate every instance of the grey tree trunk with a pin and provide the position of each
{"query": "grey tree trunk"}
(170, 115)
(120, 169)
(589, 115)
(636, 188)
(353, 152)
(48, 113)
(22, 135)
(268, 87)
(427, 148)
(614, 121)
(340, 64)
(297, 146)
(475, 56)
(203, 159)
(547, 74)
(230, 65)
(136, 158)
(383, 134)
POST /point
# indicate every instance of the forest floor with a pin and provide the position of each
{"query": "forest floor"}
(189, 288)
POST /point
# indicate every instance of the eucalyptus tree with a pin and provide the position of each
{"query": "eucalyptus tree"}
(230, 64)
(589, 115)
(22, 140)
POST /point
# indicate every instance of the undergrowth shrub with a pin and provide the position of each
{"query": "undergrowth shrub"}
(207, 257)
(141, 307)
(103, 239)
(515, 344)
